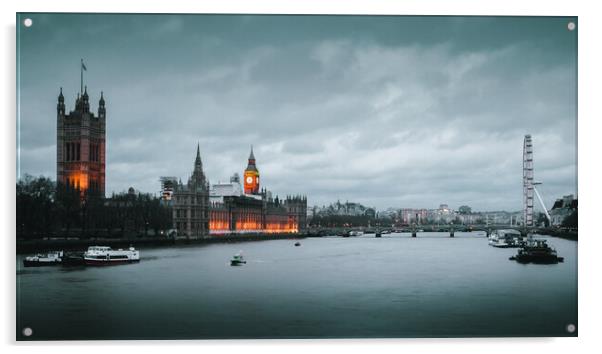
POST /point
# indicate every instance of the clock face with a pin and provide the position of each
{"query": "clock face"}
(249, 180)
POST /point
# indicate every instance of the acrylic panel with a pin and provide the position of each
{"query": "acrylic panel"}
(295, 176)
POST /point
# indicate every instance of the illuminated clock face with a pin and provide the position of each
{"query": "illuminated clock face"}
(249, 180)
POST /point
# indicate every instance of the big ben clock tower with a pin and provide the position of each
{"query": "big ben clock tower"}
(251, 176)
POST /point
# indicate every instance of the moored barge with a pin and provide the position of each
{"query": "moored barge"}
(40, 260)
(537, 251)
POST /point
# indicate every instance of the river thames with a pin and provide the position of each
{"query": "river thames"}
(329, 287)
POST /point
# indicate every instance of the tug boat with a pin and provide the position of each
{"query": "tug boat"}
(297, 244)
(537, 251)
(505, 238)
(103, 255)
(237, 260)
(41, 260)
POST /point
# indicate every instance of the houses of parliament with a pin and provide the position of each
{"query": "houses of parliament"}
(198, 209)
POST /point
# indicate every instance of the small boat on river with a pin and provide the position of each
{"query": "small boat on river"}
(103, 255)
(42, 260)
(237, 260)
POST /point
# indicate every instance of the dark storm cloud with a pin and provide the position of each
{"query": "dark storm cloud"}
(386, 111)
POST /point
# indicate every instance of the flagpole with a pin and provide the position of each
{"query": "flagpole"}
(81, 70)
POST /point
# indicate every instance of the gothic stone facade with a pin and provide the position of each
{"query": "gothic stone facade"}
(296, 206)
(80, 148)
(257, 212)
(190, 203)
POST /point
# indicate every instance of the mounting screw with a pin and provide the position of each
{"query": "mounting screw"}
(27, 332)
(27, 22)
(571, 26)
(571, 328)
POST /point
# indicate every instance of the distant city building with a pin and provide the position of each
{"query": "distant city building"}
(444, 214)
(80, 146)
(562, 208)
(413, 216)
(464, 209)
(346, 209)
(370, 212)
(501, 218)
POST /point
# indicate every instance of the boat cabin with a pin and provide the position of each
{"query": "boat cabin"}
(99, 249)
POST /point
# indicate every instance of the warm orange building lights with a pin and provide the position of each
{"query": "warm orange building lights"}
(78, 180)
(251, 180)
(225, 220)
(256, 211)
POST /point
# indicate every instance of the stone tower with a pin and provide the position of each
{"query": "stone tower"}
(80, 146)
(251, 181)
(190, 203)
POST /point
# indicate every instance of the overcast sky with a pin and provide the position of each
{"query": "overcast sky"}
(386, 111)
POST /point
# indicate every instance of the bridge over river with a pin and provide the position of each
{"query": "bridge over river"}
(569, 233)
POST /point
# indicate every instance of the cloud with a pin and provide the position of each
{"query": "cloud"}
(332, 115)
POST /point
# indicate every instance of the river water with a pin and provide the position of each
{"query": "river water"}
(329, 287)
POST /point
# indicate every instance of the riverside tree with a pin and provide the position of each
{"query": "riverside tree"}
(47, 209)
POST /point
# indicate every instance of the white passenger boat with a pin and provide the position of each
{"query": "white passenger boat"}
(505, 238)
(103, 255)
